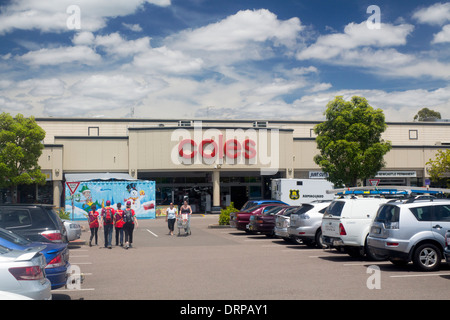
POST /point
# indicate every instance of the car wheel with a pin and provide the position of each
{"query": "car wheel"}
(372, 255)
(319, 240)
(353, 252)
(297, 240)
(427, 257)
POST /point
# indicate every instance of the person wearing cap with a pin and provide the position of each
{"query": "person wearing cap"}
(107, 217)
(129, 217)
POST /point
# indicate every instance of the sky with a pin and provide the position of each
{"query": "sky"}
(222, 59)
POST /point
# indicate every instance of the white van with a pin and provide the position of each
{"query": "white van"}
(346, 224)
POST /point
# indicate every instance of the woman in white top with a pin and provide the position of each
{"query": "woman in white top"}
(171, 215)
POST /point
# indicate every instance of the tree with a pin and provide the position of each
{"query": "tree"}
(20, 149)
(350, 141)
(427, 114)
(440, 166)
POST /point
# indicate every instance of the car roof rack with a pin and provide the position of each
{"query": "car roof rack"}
(405, 191)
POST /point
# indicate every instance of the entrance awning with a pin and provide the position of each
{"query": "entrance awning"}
(97, 176)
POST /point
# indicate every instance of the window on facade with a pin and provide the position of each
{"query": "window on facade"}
(93, 131)
(260, 124)
(184, 123)
(413, 135)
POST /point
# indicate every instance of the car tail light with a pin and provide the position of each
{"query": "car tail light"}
(447, 239)
(53, 235)
(27, 273)
(55, 262)
(342, 230)
(392, 244)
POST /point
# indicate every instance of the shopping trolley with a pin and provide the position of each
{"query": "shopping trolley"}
(184, 222)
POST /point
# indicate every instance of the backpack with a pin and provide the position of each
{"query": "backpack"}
(128, 215)
(108, 216)
(92, 218)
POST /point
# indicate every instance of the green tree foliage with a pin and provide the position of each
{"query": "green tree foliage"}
(427, 114)
(350, 141)
(20, 149)
(440, 166)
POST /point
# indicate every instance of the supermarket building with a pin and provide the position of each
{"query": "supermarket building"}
(212, 162)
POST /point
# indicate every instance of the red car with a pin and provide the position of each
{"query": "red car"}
(240, 219)
(265, 223)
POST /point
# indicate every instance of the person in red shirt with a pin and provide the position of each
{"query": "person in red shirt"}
(118, 224)
(93, 224)
(107, 217)
(129, 217)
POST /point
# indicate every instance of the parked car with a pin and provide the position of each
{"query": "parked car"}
(22, 273)
(282, 222)
(240, 219)
(253, 203)
(346, 224)
(305, 223)
(265, 223)
(447, 247)
(73, 230)
(405, 231)
(38, 223)
(56, 255)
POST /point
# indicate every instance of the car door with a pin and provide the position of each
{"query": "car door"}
(441, 222)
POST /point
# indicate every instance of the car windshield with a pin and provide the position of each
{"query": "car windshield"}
(13, 237)
(335, 208)
(389, 215)
(4, 250)
(304, 208)
(273, 210)
(289, 211)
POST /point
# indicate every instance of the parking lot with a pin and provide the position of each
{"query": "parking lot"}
(226, 264)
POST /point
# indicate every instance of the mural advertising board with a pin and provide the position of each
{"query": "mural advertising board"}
(140, 193)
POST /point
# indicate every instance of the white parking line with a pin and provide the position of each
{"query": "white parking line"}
(152, 233)
(421, 275)
(83, 256)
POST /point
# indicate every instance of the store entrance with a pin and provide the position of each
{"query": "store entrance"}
(238, 196)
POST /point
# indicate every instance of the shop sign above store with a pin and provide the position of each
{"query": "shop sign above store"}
(396, 174)
(214, 146)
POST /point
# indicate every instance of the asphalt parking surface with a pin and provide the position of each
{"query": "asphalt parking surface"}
(226, 264)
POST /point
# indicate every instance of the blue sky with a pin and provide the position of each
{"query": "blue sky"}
(215, 59)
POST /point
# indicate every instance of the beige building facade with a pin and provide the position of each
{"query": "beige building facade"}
(214, 162)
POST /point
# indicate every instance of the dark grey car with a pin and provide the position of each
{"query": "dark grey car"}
(39, 223)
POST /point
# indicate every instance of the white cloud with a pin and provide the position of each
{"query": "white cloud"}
(436, 14)
(61, 55)
(242, 36)
(356, 36)
(236, 31)
(164, 60)
(51, 15)
(371, 51)
(132, 27)
(442, 36)
(16, 105)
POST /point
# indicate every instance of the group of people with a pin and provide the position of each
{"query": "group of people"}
(172, 213)
(123, 221)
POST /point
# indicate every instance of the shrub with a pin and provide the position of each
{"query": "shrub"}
(224, 217)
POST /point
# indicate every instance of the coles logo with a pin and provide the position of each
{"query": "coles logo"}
(229, 146)
(209, 148)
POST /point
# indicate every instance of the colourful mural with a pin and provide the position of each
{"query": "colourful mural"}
(140, 193)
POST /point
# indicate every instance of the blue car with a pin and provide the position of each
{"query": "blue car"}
(253, 203)
(56, 255)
